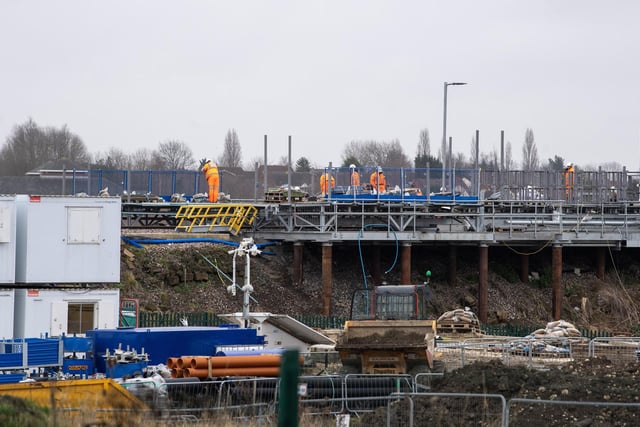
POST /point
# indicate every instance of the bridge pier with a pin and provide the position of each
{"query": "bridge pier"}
(483, 282)
(524, 268)
(601, 262)
(298, 250)
(327, 278)
(405, 273)
(556, 281)
(376, 271)
(453, 266)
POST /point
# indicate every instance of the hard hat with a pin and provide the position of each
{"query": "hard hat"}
(379, 169)
(569, 164)
(352, 166)
(208, 161)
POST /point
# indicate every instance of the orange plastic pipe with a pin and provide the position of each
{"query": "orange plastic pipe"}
(202, 362)
(257, 371)
(183, 361)
(172, 362)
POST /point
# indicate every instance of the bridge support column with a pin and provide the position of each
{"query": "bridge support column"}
(556, 281)
(376, 271)
(601, 262)
(453, 266)
(405, 275)
(327, 278)
(298, 250)
(483, 283)
(524, 268)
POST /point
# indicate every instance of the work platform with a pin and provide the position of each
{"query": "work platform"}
(469, 223)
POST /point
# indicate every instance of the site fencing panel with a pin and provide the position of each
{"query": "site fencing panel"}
(447, 409)
(321, 395)
(530, 352)
(362, 392)
(616, 349)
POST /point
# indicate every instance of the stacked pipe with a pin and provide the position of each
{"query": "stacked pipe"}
(263, 365)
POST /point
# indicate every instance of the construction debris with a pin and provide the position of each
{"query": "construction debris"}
(559, 329)
(459, 320)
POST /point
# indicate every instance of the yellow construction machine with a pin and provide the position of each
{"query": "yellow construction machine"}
(389, 331)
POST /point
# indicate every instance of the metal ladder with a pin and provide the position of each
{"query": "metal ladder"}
(229, 217)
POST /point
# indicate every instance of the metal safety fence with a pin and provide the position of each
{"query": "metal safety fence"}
(380, 400)
(529, 351)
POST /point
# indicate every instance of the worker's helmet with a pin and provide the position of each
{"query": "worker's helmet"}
(569, 164)
(352, 166)
(379, 169)
(208, 161)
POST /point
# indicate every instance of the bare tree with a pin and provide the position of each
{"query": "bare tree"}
(283, 160)
(30, 146)
(232, 153)
(460, 160)
(509, 163)
(141, 159)
(373, 153)
(114, 158)
(423, 153)
(174, 155)
(530, 159)
(474, 151)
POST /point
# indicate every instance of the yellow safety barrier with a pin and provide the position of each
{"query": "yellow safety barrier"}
(215, 217)
(81, 402)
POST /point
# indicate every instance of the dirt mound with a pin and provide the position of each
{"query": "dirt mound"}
(589, 380)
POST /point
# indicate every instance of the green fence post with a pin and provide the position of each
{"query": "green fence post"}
(288, 405)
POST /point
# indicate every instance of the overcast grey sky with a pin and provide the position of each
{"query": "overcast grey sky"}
(129, 74)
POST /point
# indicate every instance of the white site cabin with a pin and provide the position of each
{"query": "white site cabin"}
(64, 311)
(67, 239)
(6, 313)
(66, 252)
(7, 240)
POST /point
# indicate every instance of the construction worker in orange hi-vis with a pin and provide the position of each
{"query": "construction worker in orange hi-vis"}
(324, 183)
(378, 181)
(569, 180)
(355, 177)
(210, 170)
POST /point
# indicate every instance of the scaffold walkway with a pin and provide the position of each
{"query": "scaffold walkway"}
(211, 217)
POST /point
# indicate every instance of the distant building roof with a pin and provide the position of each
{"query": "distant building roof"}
(57, 168)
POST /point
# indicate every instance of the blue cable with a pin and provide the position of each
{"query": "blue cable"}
(364, 275)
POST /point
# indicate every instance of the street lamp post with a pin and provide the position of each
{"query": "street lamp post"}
(444, 132)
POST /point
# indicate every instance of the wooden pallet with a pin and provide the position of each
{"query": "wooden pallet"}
(449, 326)
(282, 196)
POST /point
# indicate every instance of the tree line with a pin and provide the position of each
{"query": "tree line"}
(30, 146)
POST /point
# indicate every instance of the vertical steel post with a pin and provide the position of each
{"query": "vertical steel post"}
(265, 165)
(556, 281)
(601, 263)
(289, 174)
(524, 268)
(327, 279)
(298, 250)
(453, 265)
(405, 273)
(483, 283)
(288, 405)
